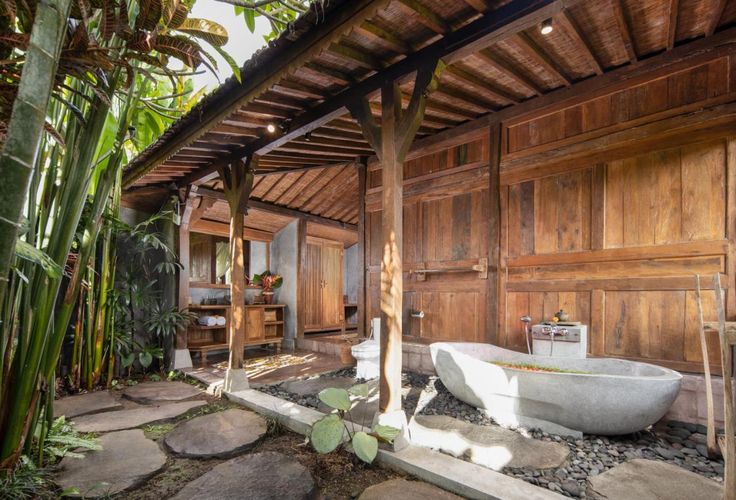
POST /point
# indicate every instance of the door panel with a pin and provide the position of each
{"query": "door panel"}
(332, 303)
(313, 286)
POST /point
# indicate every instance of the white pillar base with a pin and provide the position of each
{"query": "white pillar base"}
(397, 420)
(182, 359)
(235, 380)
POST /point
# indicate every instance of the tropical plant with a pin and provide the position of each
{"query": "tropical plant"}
(268, 281)
(280, 13)
(111, 51)
(328, 433)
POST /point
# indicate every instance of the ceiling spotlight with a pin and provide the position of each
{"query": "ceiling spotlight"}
(271, 128)
(547, 27)
(308, 136)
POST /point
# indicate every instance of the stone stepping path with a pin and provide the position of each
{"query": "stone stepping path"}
(489, 446)
(653, 480)
(127, 458)
(220, 434)
(260, 476)
(405, 490)
(161, 392)
(84, 404)
(129, 419)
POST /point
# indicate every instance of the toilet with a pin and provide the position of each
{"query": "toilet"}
(368, 353)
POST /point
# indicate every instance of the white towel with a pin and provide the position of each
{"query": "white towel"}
(207, 320)
(220, 320)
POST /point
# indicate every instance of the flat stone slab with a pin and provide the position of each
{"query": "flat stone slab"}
(127, 458)
(406, 490)
(260, 476)
(84, 404)
(160, 392)
(220, 434)
(653, 480)
(311, 386)
(129, 419)
(490, 446)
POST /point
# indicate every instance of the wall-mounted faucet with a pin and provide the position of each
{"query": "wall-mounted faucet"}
(417, 314)
(526, 320)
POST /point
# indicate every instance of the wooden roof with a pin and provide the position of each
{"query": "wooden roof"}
(309, 165)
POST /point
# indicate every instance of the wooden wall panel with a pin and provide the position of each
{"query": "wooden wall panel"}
(445, 225)
(661, 219)
(699, 84)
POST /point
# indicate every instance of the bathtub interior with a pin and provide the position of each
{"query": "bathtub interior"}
(593, 366)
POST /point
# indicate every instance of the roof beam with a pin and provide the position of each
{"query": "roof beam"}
(279, 210)
(492, 27)
(534, 51)
(426, 16)
(715, 16)
(571, 26)
(510, 71)
(624, 29)
(481, 84)
(674, 7)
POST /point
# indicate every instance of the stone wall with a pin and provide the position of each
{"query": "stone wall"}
(690, 405)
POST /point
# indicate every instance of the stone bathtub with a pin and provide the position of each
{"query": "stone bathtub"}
(615, 397)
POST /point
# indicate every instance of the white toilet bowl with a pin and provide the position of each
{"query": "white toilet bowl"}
(368, 353)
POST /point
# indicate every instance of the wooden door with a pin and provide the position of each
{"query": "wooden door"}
(255, 330)
(332, 302)
(312, 283)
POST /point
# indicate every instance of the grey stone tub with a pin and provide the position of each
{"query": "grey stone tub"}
(615, 396)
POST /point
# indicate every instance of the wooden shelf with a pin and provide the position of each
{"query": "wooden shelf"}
(204, 345)
(196, 326)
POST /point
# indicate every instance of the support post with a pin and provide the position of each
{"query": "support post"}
(495, 288)
(391, 143)
(237, 180)
(361, 165)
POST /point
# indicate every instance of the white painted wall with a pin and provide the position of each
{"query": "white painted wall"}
(284, 254)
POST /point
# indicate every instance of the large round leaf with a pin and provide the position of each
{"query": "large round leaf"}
(335, 398)
(327, 434)
(386, 432)
(365, 446)
(360, 390)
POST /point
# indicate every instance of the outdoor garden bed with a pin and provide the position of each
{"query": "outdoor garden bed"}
(676, 443)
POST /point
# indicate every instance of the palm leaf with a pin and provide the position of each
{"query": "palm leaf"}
(26, 251)
(149, 14)
(209, 31)
(230, 61)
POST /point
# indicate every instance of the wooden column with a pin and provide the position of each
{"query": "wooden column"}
(391, 143)
(496, 286)
(237, 179)
(362, 182)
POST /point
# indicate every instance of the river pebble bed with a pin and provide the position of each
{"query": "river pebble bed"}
(678, 443)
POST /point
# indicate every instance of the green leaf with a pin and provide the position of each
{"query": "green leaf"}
(386, 432)
(28, 252)
(365, 446)
(127, 359)
(146, 358)
(230, 61)
(335, 398)
(327, 434)
(360, 390)
(207, 30)
(250, 19)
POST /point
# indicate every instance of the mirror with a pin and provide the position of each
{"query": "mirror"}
(209, 260)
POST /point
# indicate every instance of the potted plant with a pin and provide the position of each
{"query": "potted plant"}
(268, 282)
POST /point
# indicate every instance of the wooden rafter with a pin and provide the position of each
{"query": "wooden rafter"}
(578, 37)
(715, 15)
(427, 16)
(383, 36)
(673, 8)
(481, 84)
(535, 52)
(624, 29)
(479, 5)
(510, 70)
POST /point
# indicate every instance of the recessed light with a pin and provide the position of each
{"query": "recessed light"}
(547, 27)
(271, 128)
